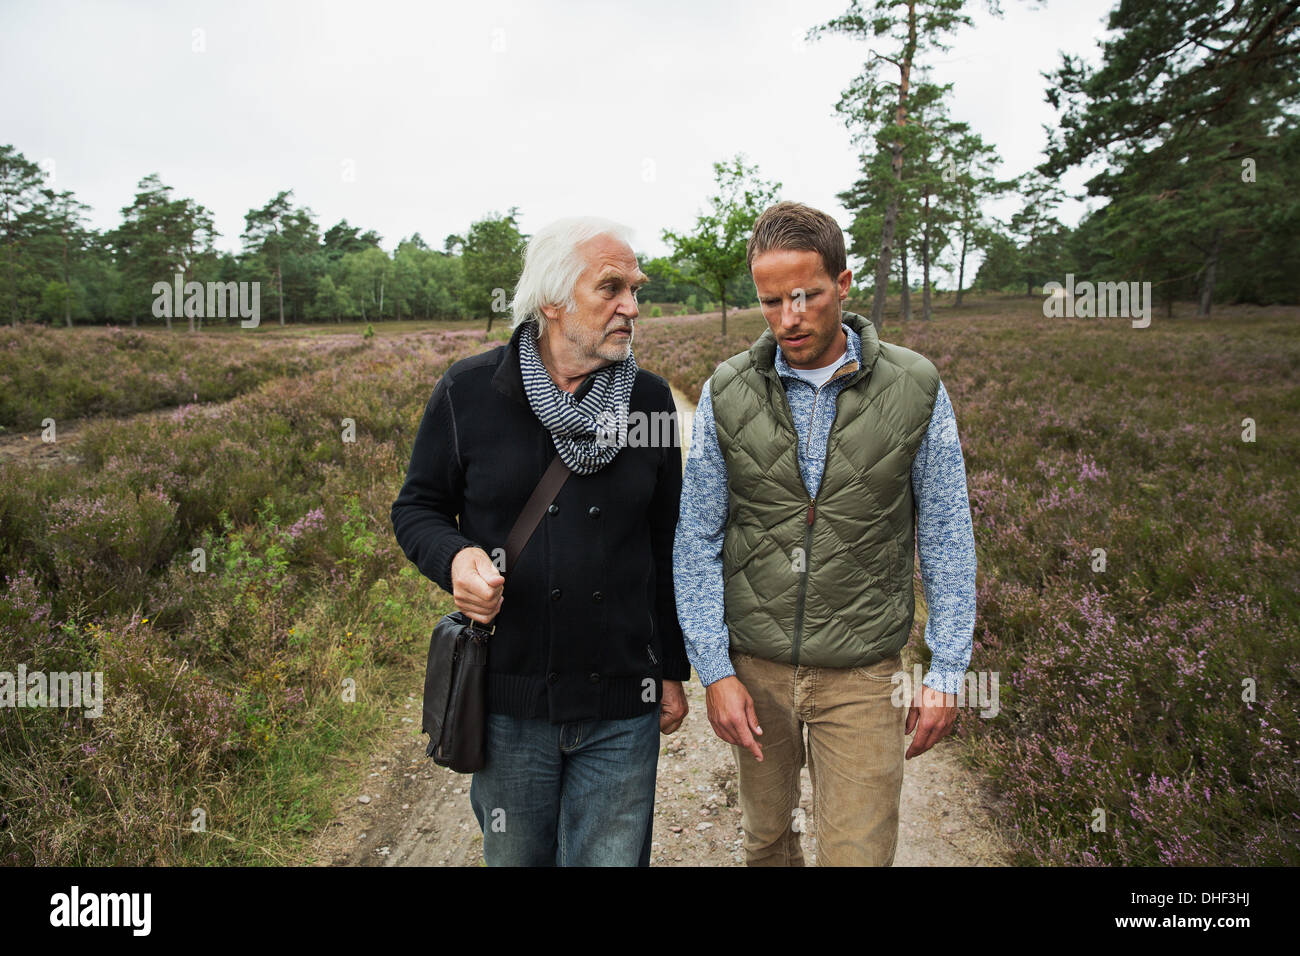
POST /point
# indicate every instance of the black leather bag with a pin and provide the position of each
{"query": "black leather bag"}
(455, 693)
(455, 678)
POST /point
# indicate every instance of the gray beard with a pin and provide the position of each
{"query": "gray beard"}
(596, 349)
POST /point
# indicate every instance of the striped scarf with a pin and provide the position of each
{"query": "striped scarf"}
(587, 433)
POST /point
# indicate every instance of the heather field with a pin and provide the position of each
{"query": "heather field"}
(238, 686)
(120, 371)
(228, 564)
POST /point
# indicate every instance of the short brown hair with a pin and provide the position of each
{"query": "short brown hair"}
(792, 225)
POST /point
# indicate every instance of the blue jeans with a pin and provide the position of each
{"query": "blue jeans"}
(576, 794)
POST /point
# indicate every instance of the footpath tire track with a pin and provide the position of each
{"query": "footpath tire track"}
(414, 813)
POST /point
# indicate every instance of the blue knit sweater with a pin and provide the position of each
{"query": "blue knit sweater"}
(944, 537)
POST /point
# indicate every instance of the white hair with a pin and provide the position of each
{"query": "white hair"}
(552, 265)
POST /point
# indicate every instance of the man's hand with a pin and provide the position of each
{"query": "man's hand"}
(932, 715)
(674, 708)
(476, 585)
(731, 712)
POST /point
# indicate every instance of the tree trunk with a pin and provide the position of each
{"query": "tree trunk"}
(887, 241)
(279, 288)
(67, 284)
(925, 280)
(723, 298)
(896, 167)
(961, 270)
(925, 263)
(13, 284)
(1207, 278)
(905, 297)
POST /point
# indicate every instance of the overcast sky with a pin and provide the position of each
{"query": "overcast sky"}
(422, 117)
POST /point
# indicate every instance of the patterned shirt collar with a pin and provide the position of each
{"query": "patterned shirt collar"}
(853, 353)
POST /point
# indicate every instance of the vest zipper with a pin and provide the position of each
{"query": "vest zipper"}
(847, 369)
(803, 584)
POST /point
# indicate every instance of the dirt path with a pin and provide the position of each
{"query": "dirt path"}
(28, 447)
(414, 813)
(418, 814)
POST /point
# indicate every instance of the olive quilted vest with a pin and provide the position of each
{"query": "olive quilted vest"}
(824, 582)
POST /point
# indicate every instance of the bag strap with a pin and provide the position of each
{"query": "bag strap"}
(556, 474)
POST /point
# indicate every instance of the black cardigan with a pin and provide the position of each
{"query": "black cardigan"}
(588, 615)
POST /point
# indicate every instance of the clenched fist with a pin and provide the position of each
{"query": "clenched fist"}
(477, 586)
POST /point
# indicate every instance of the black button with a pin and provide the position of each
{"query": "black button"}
(594, 511)
(597, 597)
(553, 510)
(552, 677)
(594, 678)
(555, 594)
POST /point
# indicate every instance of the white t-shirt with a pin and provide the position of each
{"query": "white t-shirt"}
(817, 377)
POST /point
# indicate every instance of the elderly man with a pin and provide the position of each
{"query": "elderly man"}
(815, 456)
(587, 658)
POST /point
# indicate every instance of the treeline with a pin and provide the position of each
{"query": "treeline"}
(56, 270)
(1191, 117)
